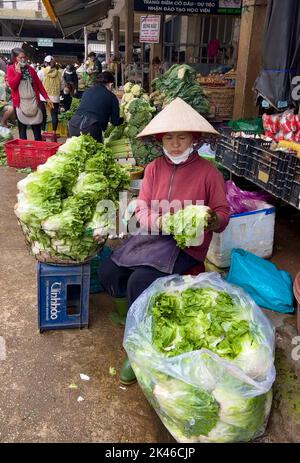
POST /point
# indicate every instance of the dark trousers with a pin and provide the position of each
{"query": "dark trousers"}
(76, 128)
(54, 115)
(35, 128)
(131, 282)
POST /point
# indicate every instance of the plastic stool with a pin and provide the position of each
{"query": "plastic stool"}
(50, 136)
(63, 296)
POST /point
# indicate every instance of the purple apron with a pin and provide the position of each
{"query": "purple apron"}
(159, 252)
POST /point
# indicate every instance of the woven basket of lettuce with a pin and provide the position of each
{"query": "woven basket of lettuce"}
(203, 354)
(66, 208)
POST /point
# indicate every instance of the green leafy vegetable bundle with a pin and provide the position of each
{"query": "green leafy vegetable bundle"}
(59, 206)
(137, 112)
(179, 81)
(67, 115)
(187, 225)
(203, 353)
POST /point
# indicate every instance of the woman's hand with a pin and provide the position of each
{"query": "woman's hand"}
(213, 222)
(49, 104)
(18, 67)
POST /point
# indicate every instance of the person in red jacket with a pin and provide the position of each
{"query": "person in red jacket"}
(180, 176)
(26, 88)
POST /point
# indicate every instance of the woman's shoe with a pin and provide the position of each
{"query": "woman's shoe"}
(127, 375)
(119, 315)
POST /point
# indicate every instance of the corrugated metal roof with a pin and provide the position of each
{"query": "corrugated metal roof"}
(73, 15)
(6, 47)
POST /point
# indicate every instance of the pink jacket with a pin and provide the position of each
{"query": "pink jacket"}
(195, 179)
(14, 79)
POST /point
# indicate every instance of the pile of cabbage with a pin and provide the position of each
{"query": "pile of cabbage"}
(60, 206)
(203, 353)
(187, 225)
(137, 112)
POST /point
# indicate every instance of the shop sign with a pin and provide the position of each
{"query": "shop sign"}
(45, 42)
(149, 29)
(188, 7)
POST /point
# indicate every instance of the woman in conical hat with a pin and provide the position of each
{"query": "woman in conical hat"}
(180, 175)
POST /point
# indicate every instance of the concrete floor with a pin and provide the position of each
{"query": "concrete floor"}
(36, 403)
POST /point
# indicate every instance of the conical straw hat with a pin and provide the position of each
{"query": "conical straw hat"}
(177, 116)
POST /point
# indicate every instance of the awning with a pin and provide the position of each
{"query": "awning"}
(6, 47)
(73, 15)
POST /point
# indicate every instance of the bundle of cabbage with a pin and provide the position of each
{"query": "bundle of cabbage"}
(60, 205)
(187, 225)
(137, 112)
(203, 353)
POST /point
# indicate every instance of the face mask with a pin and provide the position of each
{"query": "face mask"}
(22, 64)
(179, 159)
(66, 92)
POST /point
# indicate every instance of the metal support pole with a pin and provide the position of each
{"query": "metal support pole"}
(85, 43)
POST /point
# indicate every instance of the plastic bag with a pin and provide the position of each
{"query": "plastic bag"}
(199, 396)
(269, 287)
(244, 201)
(5, 134)
(251, 125)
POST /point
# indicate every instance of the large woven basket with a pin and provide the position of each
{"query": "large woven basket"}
(221, 100)
(45, 257)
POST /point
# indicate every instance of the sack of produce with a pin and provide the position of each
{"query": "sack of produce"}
(203, 354)
(62, 206)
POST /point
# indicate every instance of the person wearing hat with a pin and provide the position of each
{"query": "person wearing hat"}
(179, 174)
(53, 83)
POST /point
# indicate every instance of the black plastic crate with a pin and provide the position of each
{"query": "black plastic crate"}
(267, 168)
(291, 192)
(232, 152)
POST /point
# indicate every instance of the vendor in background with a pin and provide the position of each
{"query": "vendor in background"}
(179, 174)
(7, 113)
(98, 106)
(53, 83)
(71, 78)
(157, 68)
(82, 77)
(65, 99)
(93, 67)
(26, 88)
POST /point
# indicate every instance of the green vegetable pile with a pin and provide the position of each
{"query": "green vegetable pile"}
(187, 225)
(67, 115)
(200, 319)
(59, 205)
(137, 112)
(179, 81)
(203, 355)
(5, 135)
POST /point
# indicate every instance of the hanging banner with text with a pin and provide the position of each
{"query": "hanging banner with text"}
(149, 29)
(187, 7)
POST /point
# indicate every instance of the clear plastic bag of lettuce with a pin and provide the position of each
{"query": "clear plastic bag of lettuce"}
(203, 354)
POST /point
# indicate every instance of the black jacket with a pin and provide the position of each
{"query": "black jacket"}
(101, 105)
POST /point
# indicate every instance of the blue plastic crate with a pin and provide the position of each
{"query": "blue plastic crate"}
(63, 296)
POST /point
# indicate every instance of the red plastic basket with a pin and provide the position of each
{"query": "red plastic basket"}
(29, 153)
